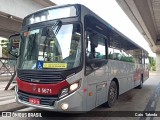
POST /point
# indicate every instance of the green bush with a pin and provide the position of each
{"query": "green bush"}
(152, 63)
(5, 51)
(120, 57)
(153, 68)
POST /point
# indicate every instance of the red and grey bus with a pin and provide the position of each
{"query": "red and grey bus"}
(70, 59)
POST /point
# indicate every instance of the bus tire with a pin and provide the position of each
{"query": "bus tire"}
(112, 94)
(141, 83)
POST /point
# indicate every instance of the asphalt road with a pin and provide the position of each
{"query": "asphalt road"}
(137, 100)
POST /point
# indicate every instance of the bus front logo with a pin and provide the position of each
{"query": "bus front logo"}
(34, 88)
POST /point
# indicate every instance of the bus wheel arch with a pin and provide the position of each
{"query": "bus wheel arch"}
(113, 93)
(141, 82)
(117, 83)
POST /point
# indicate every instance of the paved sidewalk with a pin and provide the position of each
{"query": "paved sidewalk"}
(157, 73)
(4, 80)
(7, 101)
(7, 97)
(6, 93)
(4, 84)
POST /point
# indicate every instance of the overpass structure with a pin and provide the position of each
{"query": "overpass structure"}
(13, 11)
(145, 15)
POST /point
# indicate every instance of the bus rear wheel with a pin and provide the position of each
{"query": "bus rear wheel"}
(112, 94)
(141, 83)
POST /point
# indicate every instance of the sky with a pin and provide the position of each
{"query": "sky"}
(112, 13)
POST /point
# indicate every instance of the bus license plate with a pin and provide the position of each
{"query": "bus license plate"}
(34, 101)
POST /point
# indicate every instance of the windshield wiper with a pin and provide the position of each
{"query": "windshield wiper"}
(57, 24)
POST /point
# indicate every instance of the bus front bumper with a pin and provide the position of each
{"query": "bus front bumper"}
(73, 100)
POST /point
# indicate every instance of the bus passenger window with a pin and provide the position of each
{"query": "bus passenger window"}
(110, 53)
(88, 46)
(100, 50)
(95, 51)
(95, 47)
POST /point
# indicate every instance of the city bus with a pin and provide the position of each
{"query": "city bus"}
(70, 59)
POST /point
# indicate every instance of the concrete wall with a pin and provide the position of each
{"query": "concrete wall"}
(158, 62)
(19, 8)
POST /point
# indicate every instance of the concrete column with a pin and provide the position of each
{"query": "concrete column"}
(158, 62)
(0, 48)
(0, 51)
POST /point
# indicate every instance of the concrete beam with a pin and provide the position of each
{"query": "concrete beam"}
(158, 62)
(21, 8)
(139, 12)
(145, 11)
(45, 3)
(9, 24)
(0, 52)
(6, 33)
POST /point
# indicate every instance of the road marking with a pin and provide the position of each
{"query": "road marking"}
(148, 118)
(7, 102)
(153, 103)
(26, 109)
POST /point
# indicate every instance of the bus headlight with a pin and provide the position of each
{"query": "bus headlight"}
(73, 87)
(64, 106)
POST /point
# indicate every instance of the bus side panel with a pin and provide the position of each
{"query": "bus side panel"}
(139, 72)
(146, 75)
(102, 84)
(91, 96)
(91, 91)
(83, 87)
(146, 72)
(123, 72)
(97, 87)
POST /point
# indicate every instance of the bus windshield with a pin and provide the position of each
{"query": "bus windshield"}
(54, 47)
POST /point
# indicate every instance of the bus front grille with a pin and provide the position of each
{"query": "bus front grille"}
(43, 100)
(41, 76)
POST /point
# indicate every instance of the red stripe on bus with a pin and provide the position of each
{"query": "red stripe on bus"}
(41, 89)
(139, 72)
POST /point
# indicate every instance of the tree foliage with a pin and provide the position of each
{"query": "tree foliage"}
(4, 44)
(152, 63)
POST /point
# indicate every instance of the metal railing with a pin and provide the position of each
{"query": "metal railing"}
(7, 70)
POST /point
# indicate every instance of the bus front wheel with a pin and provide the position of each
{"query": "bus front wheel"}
(112, 94)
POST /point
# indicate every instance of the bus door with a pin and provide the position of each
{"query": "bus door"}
(96, 69)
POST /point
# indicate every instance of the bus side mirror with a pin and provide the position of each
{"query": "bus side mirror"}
(13, 45)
